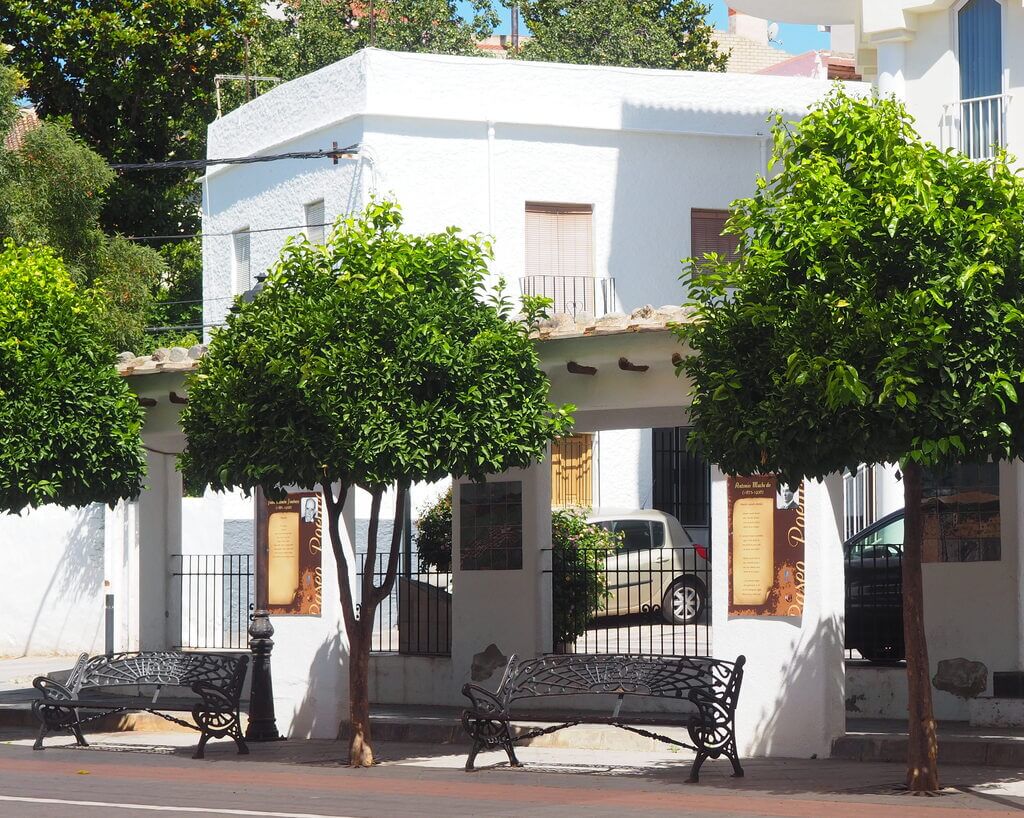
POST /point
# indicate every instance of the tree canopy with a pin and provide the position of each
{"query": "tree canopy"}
(876, 313)
(136, 83)
(52, 191)
(69, 424)
(315, 33)
(368, 361)
(874, 316)
(636, 33)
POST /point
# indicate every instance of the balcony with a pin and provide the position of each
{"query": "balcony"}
(573, 294)
(977, 126)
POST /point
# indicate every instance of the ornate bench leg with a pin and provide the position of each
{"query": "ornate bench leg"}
(236, 734)
(477, 747)
(695, 769)
(734, 758)
(201, 746)
(43, 730)
(76, 728)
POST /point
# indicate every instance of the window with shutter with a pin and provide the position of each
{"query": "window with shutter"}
(315, 230)
(243, 277)
(706, 228)
(560, 255)
(571, 471)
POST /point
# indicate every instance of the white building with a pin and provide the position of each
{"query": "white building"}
(594, 182)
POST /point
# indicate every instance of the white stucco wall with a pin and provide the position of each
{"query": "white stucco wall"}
(468, 141)
(51, 581)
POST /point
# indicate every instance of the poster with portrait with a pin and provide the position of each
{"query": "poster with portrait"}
(766, 547)
(289, 538)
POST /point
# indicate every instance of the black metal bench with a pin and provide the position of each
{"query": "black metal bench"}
(711, 688)
(136, 681)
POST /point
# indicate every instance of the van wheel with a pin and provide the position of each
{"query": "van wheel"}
(683, 603)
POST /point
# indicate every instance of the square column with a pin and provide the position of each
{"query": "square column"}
(792, 699)
(508, 607)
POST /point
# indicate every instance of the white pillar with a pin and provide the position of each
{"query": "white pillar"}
(159, 536)
(888, 490)
(792, 699)
(310, 658)
(892, 58)
(510, 608)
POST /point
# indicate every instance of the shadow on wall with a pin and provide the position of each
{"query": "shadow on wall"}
(803, 670)
(310, 717)
(53, 562)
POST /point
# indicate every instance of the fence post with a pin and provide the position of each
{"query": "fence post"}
(108, 622)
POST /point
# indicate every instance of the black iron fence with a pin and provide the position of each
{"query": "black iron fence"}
(874, 602)
(632, 600)
(416, 618)
(212, 596)
(573, 294)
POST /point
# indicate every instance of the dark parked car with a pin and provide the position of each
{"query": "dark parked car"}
(874, 590)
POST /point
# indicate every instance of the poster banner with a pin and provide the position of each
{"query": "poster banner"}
(289, 537)
(766, 547)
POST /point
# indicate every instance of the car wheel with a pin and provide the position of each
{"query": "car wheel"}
(683, 603)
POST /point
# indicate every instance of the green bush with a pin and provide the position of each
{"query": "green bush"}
(578, 587)
(434, 534)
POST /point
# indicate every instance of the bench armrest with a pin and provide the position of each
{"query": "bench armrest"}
(51, 689)
(215, 699)
(484, 703)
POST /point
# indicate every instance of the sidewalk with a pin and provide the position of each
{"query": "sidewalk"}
(788, 786)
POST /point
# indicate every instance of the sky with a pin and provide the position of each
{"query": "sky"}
(794, 39)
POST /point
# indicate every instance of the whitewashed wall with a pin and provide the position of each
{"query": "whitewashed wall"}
(51, 581)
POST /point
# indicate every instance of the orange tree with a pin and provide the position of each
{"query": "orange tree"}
(370, 361)
(875, 316)
(69, 425)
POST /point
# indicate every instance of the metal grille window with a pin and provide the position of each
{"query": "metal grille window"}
(706, 228)
(315, 230)
(243, 269)
(682, 478)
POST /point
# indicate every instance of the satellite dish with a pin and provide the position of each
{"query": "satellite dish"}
(773, 32)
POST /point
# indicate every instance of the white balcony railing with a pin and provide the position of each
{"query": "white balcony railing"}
(573, 294)
(977, 126)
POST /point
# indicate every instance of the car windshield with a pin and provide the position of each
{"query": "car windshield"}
(883, 542)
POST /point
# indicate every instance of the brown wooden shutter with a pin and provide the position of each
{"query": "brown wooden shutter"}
(706, 228)
(572, 471)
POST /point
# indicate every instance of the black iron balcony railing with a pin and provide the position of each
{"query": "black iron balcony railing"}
(573, 294)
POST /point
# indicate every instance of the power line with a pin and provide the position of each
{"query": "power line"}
(174, 236)
(334, 153)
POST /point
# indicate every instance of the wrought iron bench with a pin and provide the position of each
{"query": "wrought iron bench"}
(711, 688)
(136, 681)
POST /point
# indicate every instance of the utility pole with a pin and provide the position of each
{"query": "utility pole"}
(373, 27)
(515, 27)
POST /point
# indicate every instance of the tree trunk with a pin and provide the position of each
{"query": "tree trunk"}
(360, 750)
(359, 617)
(923, 746)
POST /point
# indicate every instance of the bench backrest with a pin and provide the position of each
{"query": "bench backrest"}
(225, 671)
(660, 676)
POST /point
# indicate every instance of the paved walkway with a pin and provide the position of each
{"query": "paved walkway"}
(137, 774)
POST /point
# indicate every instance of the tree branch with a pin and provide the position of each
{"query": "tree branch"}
(334, 510)
(371, 550)
(396, 539)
